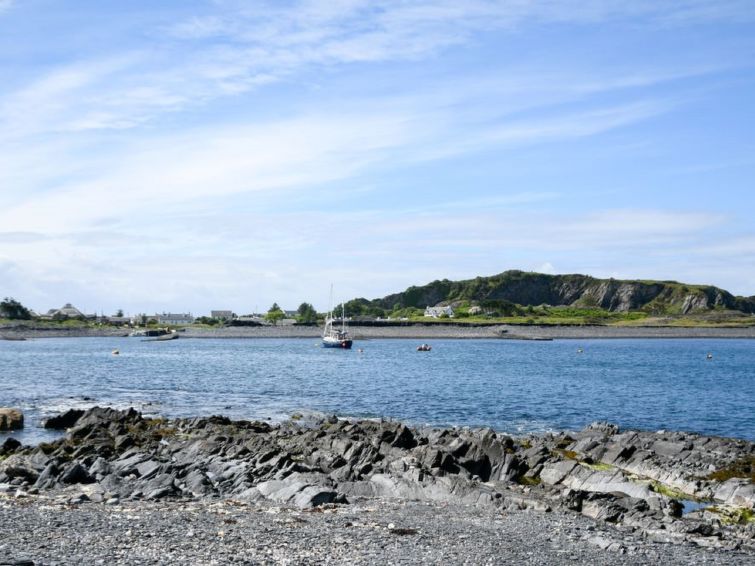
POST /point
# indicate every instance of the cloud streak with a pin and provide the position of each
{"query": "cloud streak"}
(242, 149)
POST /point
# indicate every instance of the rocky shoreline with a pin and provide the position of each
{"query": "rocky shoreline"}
(361, 491)
(427, 331)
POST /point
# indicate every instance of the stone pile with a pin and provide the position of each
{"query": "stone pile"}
(636, 479)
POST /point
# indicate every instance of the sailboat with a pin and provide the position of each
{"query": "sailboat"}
(333, 337)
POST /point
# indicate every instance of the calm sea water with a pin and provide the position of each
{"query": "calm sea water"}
(512, 386)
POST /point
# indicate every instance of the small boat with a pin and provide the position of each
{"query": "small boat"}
(335, 337)
(116, 352)
(424, 348)
(709, 356)
(163, 338)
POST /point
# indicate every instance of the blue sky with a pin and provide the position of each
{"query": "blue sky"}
(228, 154)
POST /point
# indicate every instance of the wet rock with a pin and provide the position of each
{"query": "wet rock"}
(160, 486)
(197, 483)
(64, 420)
(9, 446)
(48, 478)
(20, 471)
(75, 473)
(603, 427)
(598, 472)
(11, 419)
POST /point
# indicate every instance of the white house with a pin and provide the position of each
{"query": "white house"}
(173, 318)
(437, 312)
(222, 315)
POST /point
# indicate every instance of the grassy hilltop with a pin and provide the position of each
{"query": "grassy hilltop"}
(536, 298)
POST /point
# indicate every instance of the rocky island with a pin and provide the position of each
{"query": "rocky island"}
(124, 488)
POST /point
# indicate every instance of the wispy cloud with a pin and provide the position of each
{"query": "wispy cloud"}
(219, 147)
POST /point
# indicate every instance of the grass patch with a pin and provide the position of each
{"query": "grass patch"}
(568, 454)
(528, 480)
(742, 468)
(670, 492)
(733, 515)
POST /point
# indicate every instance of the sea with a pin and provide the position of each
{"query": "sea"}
(516, 387)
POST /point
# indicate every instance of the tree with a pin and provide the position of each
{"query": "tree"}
(12, 309)
(119, 312)
(275, 314)
(306, 314)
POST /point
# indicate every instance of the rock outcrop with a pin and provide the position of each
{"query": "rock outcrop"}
(11, 419)
(526, 288)
(637, 479)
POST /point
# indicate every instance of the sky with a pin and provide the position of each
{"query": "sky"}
(193, 155)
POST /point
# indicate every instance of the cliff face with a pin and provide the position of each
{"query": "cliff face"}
(525, 288)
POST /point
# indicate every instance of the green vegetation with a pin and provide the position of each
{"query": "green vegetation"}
(13, 310)
(306, 314)
(733, 515)
(669, 491)
(529, 480)
(524, 298)
(275, 314)
(208, 321)
(534, 298)
(568, 454)
(743, 468)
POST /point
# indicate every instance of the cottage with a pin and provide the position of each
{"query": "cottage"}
(174, 318)
(222, 315)
(437, 312)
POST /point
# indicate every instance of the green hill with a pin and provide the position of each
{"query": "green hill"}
(511, 290)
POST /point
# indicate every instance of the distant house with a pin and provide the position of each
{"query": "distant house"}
(475, 310)
(222, 315)
(173, 318)
(118, 320)
(437, 312)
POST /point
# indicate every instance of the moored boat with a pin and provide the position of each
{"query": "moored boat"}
(333, 337)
